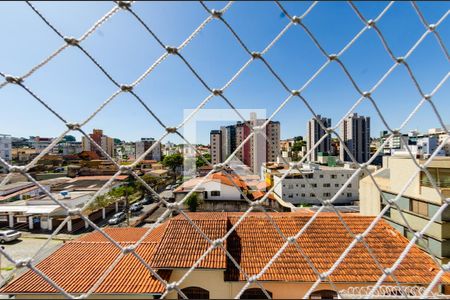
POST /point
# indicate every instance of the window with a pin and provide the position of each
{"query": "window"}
(303, 185)
(349, 185)
(326, 194)
(291, 195)
(312, 195)
(303, 195)
(194, 292)
(320, 176)
(349, 195)
(255, 293)
(333, 176)
(314, 185)
(336, 185)
(419, 207)
(323, 294)
(290, 186)
(326, 185)
(215, 193)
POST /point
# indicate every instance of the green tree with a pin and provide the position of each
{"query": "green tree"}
(69, 138)
(298, 146)
(173, 162)
(193, 202)
(153, 181)
(200, 162)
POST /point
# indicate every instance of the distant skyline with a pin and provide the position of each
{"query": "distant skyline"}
(74, 87)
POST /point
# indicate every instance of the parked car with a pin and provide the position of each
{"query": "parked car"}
(136, 207)
(9, 235)
(117, 218)
(147, 200)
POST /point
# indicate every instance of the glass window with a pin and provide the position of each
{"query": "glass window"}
(255, 293)
(194, 292)
(215, 193)
(349, 195)
(419, 207)
(324, 294)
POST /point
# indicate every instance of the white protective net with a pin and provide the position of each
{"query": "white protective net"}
(168, 52)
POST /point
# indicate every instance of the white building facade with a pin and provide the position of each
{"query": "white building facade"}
(5, 147)
(316, 182)
(144, 144)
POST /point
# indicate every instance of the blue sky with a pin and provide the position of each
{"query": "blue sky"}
(73, 86)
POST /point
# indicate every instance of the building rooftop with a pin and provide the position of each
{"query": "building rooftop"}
(231, 180)
(176, 244)
(71, 266)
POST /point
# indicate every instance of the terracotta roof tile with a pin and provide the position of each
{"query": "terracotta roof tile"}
(173, 251)
(77, 266)
(255, 241)
(176, 244)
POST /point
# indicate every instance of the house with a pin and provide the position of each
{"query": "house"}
(173, 247)
(217, 192)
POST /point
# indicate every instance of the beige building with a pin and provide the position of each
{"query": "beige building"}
(216, 146)
(105, 142)
(175, 246)
(418, 204)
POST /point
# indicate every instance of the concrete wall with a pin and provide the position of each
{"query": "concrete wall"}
(212, 280)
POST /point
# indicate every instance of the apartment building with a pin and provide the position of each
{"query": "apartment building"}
(228, 135)
(215, 141)
(5, 149)
(105, 142)
(315, 133)
(40, 143)
(144, 144)
(67, 148)
(355, 132)
(256, 150)
(419, 202)
(313, 182)
(175, 246)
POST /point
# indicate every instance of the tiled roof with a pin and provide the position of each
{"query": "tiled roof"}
(217, 177)
(182, 245)
(77, 266)
(224, 179)
(176, 244)
(256, 241)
